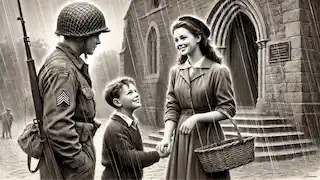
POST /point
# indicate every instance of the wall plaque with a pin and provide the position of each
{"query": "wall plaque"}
(279, 52)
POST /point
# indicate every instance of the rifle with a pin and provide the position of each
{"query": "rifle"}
(48, 155)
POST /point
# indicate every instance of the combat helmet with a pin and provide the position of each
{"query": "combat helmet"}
(80, 19)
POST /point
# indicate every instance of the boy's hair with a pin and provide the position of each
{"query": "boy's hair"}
(114, 88)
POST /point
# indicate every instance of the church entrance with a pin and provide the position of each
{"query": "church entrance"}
(242, 60)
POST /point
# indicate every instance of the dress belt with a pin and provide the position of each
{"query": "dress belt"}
(193, 111)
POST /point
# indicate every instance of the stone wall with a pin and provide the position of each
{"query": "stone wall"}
(292, 86)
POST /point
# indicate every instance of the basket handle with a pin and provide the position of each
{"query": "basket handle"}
(235, 126)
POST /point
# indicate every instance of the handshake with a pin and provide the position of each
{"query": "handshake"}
(164, 148)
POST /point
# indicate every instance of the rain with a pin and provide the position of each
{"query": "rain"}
(276, 89)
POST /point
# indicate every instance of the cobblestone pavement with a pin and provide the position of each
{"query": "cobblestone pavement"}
(13, 164)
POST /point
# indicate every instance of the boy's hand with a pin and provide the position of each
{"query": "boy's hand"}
(163, 154)
(164, 148)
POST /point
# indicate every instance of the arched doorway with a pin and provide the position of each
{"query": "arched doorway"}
(242, 59)
(223, 20)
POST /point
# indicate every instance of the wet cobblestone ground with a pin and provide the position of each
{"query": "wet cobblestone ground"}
(13, 164)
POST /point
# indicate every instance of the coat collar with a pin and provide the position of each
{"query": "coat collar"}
(126, 118)
(77, 61)
(123, 119)
(199, 70)
(205, 64)
(118, 119)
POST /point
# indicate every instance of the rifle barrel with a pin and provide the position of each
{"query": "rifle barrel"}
(25, 36)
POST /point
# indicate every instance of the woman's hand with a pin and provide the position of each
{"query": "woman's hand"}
(187, 126)
(164, 146)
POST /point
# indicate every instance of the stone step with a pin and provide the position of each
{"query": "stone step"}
(269, 137)
(260, 120)
(250, 112)
(260, 128)
(155, 137)
(283, 154)
(161, 131)
(148, 143)
(276, 146)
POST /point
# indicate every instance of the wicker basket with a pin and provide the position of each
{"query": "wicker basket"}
(228, 154)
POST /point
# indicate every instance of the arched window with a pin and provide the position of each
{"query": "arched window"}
(152, 52)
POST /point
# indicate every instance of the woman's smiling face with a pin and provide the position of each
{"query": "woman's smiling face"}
(185, 41)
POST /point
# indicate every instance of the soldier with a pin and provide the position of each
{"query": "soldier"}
(7, 119)
(66, 89)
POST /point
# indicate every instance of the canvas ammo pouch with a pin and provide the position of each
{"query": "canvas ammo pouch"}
(31, 142)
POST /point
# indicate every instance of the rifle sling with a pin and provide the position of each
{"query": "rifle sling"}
(29, 165)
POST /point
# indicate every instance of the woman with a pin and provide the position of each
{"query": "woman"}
(199, 95)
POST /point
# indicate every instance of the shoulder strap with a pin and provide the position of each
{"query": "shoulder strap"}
(29, 165)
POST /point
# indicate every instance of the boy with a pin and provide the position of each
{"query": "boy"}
(122, 151)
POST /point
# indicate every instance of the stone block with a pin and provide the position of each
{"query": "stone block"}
(305, 4)
(293, 29)
(275, 97)
(293, 77)
(294, 87)
(296, 15)
(268, 70)
(307, 77)
(276, 88)
(292, 66)
(306, 43)
(277, 68)
(293, 97)
(315, 97)
(297, 28)
(298, 54)
(275, 78)
(306, 29)
(301, 97)
(275, 23)
(290, 5)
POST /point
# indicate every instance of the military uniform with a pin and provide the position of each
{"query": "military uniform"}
(68, 103)
(69, 109)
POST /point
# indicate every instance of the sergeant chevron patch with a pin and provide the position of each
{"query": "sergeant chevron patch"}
(63, 98)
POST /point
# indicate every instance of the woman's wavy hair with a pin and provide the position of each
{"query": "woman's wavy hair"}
(204, 45)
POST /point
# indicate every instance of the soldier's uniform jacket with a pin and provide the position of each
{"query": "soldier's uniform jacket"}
(68, 110)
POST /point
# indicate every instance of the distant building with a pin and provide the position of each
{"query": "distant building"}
(271, 47)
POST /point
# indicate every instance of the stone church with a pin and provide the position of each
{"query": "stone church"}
(271, 48)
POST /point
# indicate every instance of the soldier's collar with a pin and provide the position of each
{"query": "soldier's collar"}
(71, 54)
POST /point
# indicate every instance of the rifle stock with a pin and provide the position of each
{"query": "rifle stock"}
(49, 158)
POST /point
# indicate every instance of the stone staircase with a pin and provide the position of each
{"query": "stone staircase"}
(276, 138)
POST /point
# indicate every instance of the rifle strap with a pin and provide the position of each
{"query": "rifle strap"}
(29, 165)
